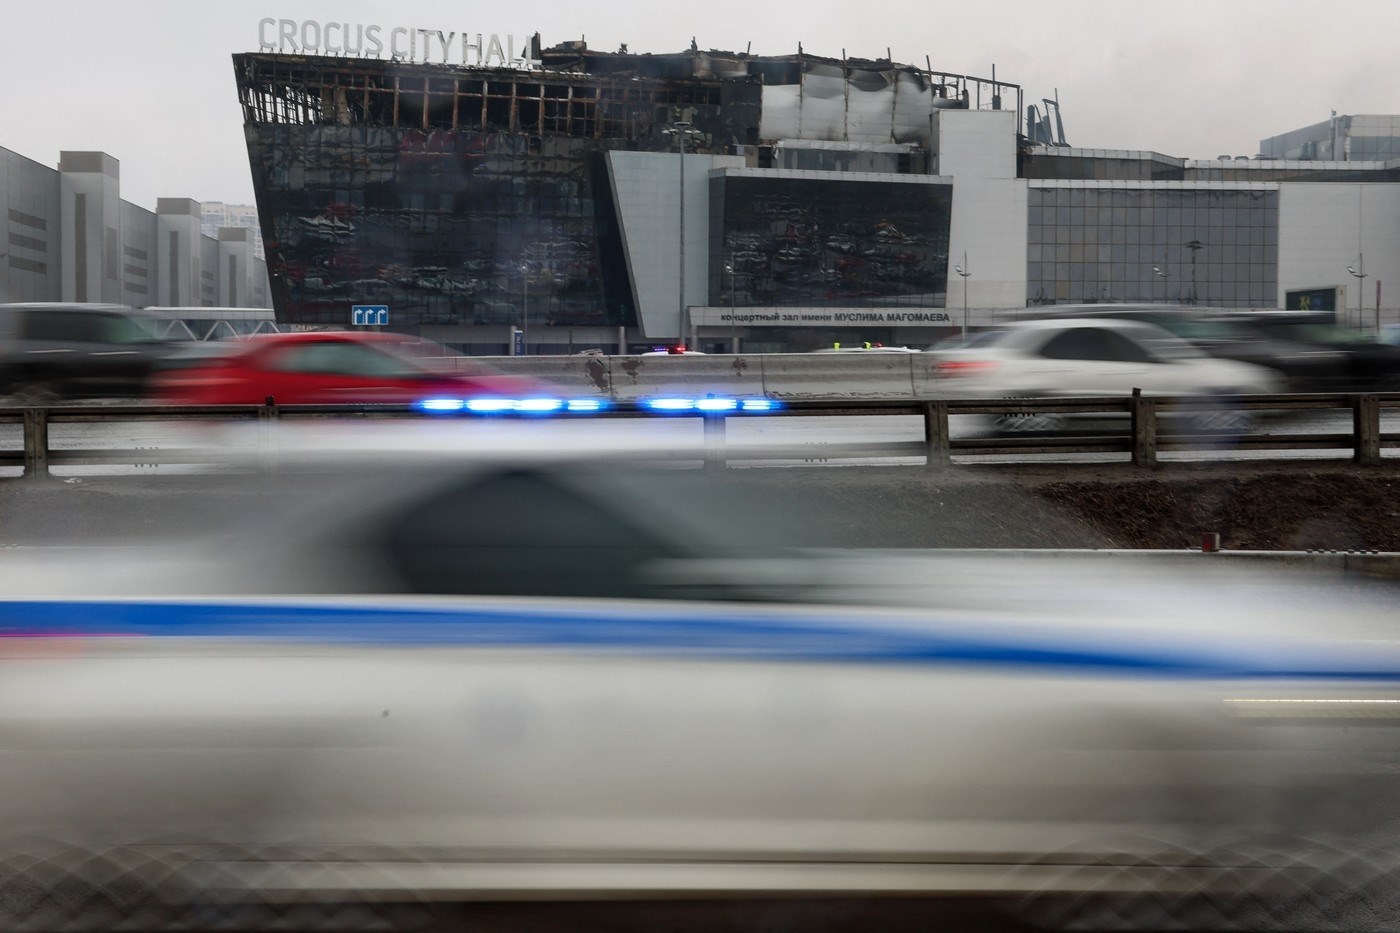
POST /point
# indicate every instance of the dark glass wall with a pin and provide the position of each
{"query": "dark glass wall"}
(443, 226)
(1216, 247)
(804, 242)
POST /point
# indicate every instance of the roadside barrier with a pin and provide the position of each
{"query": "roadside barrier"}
(1153, 425)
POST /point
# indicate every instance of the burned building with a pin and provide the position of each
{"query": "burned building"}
(595, 191)
(618, 200)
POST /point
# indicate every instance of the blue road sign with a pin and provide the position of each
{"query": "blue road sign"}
(369, 315)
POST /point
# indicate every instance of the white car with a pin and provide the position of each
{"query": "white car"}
(1092, 357)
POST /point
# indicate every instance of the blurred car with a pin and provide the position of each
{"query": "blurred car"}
(327, 367)
(492, 666)
(1303, 367)
(1390, 333)
(1090, 357)
(1363, 363)
(962, 341)
(53, 351)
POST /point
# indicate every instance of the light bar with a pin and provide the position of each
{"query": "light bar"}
(491, 405)
(543, 405)
(585, 404)
(441, 404)
(710, 404)
(759, 404)
(669, 404)
(539, 405)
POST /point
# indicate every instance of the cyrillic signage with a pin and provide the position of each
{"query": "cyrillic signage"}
(810, 317)
(399, 43)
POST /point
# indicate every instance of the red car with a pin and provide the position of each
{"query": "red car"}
(329, 367)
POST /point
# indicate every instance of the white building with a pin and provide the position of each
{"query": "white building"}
(71, 237)
(215, 215)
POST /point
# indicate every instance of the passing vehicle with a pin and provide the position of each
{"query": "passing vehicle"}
(1303, 367)
(51, 351)
(1089, 357)
(495, 666)
(328, 367)
(1362, 363)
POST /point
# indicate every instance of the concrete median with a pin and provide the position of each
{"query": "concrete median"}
(839, 375)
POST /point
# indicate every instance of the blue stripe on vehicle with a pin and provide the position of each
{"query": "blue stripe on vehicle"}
(668, 632)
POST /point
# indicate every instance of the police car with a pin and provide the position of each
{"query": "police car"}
(465, 668)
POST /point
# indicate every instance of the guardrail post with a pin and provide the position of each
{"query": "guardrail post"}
(267, 417)
(1144, 430)
(36, 443)
(936, 440)
(714, 440)
(1366, 429)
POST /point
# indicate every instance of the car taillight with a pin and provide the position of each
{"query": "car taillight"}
(964, 367)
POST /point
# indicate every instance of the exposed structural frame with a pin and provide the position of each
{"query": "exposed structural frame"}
(578, 94)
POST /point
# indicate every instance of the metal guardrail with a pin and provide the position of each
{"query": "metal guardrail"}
(1155, 425)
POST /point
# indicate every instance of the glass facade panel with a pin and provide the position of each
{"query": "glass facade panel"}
(801, 242)
(1210, 247)
(444, 227)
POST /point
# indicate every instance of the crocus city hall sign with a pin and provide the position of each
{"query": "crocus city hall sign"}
(308, 37)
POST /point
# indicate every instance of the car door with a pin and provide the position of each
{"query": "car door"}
(330, 371)
(117, 351)
(1089, 360)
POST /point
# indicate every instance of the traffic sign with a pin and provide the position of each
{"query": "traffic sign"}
(369, 315)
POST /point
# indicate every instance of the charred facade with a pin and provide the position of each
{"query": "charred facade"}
(486, 196)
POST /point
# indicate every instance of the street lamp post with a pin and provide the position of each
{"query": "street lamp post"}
(1359, 271)
(1166, 278)
(1194, 246)
(524, 309)
(963, 270)
(733, 327)
(682, 129)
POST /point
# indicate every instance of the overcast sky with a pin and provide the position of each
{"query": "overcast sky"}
(151, 83)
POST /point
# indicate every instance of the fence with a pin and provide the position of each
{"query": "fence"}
(1154, 424)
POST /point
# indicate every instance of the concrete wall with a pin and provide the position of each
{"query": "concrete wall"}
(70, 237)
(177, 246)
(775, 375)
(29, 197)
(139, 258)
(235, 273)
(90, 212)
(208, 293)
(978, 149)
(646, 192)
(1323, 229)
